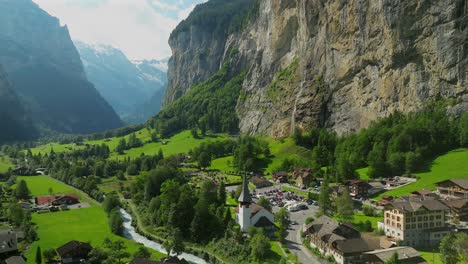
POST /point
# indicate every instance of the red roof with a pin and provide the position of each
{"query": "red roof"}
(50, 198)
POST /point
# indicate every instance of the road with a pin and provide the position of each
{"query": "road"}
(294, 240)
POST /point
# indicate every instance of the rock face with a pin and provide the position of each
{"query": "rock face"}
(126, 85)
(46, 71)
(336, 64)
(16, 123)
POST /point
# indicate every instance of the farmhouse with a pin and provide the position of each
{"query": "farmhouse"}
(454, 188)
(249, 214)
(406, 255)
(341, 241)
(260, 182)
(458, 210)
(303, 177)
(424, 192)
(57, 200)
(417, 220)
(73, 252)
(358, 188)
(280, 177)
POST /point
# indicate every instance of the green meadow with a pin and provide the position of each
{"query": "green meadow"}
(56, 229)
(5, 164)
(449, 166)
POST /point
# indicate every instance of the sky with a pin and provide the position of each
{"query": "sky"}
(140, 28)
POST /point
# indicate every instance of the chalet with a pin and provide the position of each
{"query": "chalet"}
(338, 190)
(458, 210)
(406, 255)
(8, 242)
(249, 214)
(417, 220)
(280, 177)
(303, 177)
(73, 252)
(454, 188)
(15, 260)
(57, 200)
(358, 188)
(341, 241)
(260, 182)
(386, 200)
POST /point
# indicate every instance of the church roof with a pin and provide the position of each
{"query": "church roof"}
(245, 194)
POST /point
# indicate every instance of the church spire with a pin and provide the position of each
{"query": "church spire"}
(244, 197)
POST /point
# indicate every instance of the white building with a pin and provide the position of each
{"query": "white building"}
(249, 214)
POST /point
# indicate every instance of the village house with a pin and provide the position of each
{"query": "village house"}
(406, 255)
(386, 200)
(57, 200)
(453, 188)
(358, 188)
(375, 187)
(249, 214)
(303, 177)
(15, 260)
(280, 177)
(8, 243)
(341, 241)
(416, 220)
(260, 182)
(458, 210)
(73, 252)
(337, 190)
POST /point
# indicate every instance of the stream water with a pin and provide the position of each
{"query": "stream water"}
(130, 233)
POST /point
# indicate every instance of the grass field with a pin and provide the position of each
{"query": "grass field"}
(430, 256)
(449, 166)
(282, 149)
(39, 185)
(56, 229)
(299, 192)
(5, 164)
(363, 173)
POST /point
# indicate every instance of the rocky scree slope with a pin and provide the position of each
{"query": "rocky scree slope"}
(336, 64)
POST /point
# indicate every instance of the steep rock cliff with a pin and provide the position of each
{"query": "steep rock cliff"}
(16, 123)
(46, 71)
(337, 64)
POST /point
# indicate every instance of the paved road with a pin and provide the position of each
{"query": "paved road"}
(294, 240)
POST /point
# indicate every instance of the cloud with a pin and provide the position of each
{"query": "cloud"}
(140, 28)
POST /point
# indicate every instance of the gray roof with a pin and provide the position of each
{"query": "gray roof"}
(403, 253)
(8, 241)
(413, 203)
(245, 194)
(15, 260)
(463, 182)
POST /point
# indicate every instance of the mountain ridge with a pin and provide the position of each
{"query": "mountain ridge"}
(336, 65)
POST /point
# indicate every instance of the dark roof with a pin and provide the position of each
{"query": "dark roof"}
(264, 222)
(423, 192)
(339, 189)
(8, 241)
(144, 261)
(403, 253)
(245, 194)
(72, 246)
(356, 245)
(174, 260)
(15, 260)
(413, 203)
(457, 204)
(460, 182)
(280, 174)
(258, 180)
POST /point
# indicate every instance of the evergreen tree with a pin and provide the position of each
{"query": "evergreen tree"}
(142, 253)
(38, 255)
(344, 205)
(22, 191)
(222, 194)
(204, 160)
(259, 246)
(324, 199)
(377, 161)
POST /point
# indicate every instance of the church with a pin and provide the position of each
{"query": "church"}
(249, 214)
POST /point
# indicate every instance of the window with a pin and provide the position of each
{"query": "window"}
(431, 217)
(387, 215)
(438, 216)
(425, 225)
(419, 225)
(425, 218)
(398, 218)
(419, 218)
(413, 226)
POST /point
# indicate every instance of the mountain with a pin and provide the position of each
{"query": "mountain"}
(126, 85)
(335, 64)
(46, 71)
(16, 123)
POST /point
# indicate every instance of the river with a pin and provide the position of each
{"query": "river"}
(130, 233)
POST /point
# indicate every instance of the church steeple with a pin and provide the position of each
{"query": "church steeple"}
(244, 197)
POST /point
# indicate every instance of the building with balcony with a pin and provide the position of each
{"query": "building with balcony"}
(453, 188)
(416, 220)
